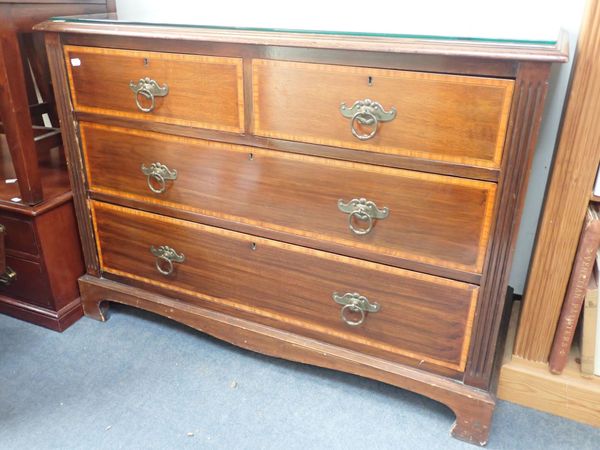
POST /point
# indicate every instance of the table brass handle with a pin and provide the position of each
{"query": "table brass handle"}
(366, 112)
(166, 255)
(158, 173)
(363, 210)
(149, 89)
(356, 303)
(8, 276)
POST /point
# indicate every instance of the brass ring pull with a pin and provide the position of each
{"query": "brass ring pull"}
(364, 118)
(166, 255)
(363, 210)
(158, 174)
(355, 303)
(149, 96)
(362, 216)
(366, 112)
(355, 309)
(159, 266)
(150, 89)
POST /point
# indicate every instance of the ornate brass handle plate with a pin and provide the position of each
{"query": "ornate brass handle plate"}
(353, 302)
(8, 276)
(165, 257)
(367, 113)
(363, 210)
(149, 89)
(158, 174)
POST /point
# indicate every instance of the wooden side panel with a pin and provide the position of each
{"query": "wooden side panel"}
(421, 317)
(204, 91)
(441, 117)
(433, 219)
(61, 252)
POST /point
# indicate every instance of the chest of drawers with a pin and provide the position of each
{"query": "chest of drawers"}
(348, 202)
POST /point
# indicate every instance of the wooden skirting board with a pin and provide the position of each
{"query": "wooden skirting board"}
(531, 384)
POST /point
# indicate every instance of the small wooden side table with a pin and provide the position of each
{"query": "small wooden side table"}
(40, 255)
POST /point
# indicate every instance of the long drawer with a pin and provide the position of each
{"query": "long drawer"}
(433, 219)
(442, 117)
(408, 315)
(191, 90)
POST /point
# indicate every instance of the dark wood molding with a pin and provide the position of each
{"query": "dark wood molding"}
(55, 320)
(72, 153)
(454, 48)
(525, 120)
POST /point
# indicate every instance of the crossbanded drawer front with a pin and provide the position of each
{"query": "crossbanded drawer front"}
(181, 89)
(439, 220)
(458, 119)
(406, 315)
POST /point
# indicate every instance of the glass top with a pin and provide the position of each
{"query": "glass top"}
(249, 19)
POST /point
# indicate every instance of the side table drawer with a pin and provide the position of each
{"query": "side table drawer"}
(458, 119)
(434, 219)
(408, 315)
(31, 282)
(182, 89)
(19, 235)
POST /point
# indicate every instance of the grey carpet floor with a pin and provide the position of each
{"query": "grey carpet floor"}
(140, 381)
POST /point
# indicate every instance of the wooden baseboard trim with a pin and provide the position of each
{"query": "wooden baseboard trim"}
(55, 320)
(531, 384)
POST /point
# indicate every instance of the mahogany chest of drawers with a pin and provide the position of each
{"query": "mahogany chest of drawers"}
(344, 201)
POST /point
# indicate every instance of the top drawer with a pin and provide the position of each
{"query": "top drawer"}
(203, 91)
(449, 118)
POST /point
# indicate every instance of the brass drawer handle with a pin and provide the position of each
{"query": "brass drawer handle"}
(158, 173)
(355, 303)
(149, 89)
(363, 210)
(8, 276)
(166, 256)
(368, 113)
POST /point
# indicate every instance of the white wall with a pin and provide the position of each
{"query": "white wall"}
(508, 19)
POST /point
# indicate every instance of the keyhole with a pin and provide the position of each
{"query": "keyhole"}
(370, 81)
(253, 246)
(250, 156)
(145, 62)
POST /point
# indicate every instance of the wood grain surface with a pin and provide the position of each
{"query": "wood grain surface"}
(567, 197)
(440, 117)
(204, 91)
(433, 219)
(422, 317)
